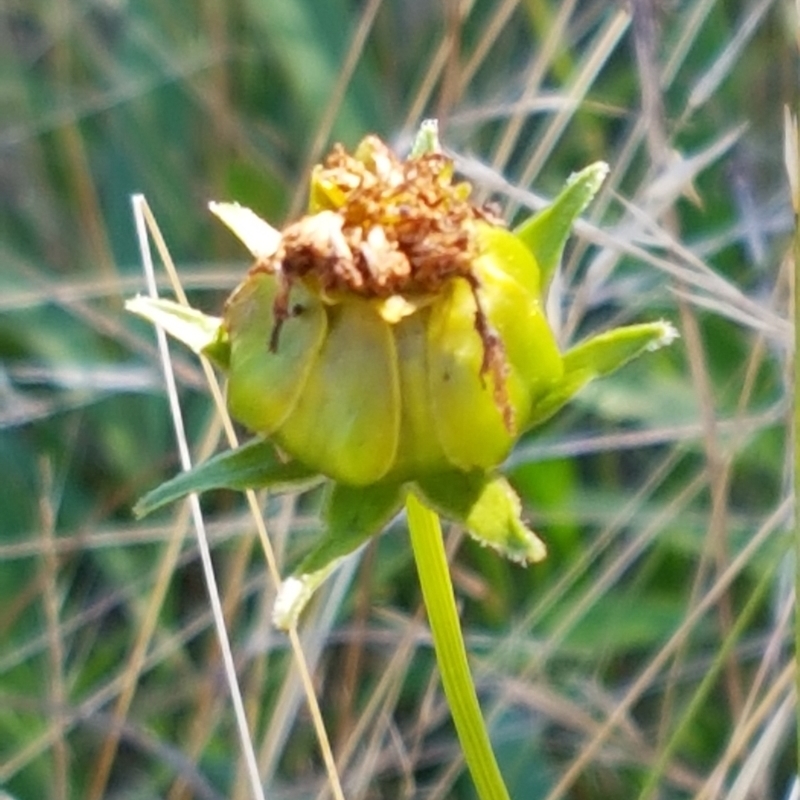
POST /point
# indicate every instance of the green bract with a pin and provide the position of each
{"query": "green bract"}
(393, 339)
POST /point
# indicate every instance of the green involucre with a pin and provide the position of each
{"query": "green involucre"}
(360, 398)
(346, 422)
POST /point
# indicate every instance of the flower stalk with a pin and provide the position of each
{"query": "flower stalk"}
(451, 655)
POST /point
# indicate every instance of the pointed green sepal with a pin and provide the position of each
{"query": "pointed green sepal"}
(598, 356)
(546, 232)
(488, 508)
(200, 332)
(352, 515)
(255, 465)
(606, 352)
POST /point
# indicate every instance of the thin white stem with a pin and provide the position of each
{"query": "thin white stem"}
(197, 514)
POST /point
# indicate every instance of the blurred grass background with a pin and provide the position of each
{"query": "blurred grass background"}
(650, 655)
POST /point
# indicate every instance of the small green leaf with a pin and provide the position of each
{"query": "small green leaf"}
(352, 515)
(488, 508)
(598, 356)
(254, 465)
(198, 331)
(557, 397)
(546, 232)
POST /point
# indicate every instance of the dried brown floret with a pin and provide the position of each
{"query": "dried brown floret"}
(394, 227)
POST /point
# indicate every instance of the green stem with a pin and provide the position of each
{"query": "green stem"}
(451, 655)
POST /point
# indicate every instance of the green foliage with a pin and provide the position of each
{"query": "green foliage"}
(645, 490)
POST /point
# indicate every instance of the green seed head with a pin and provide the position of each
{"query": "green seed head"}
(396, 330)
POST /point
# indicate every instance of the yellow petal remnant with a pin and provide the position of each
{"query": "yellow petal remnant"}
(260, 238)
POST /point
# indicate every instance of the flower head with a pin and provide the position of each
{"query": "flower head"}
(392, 338)
(401, 319)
